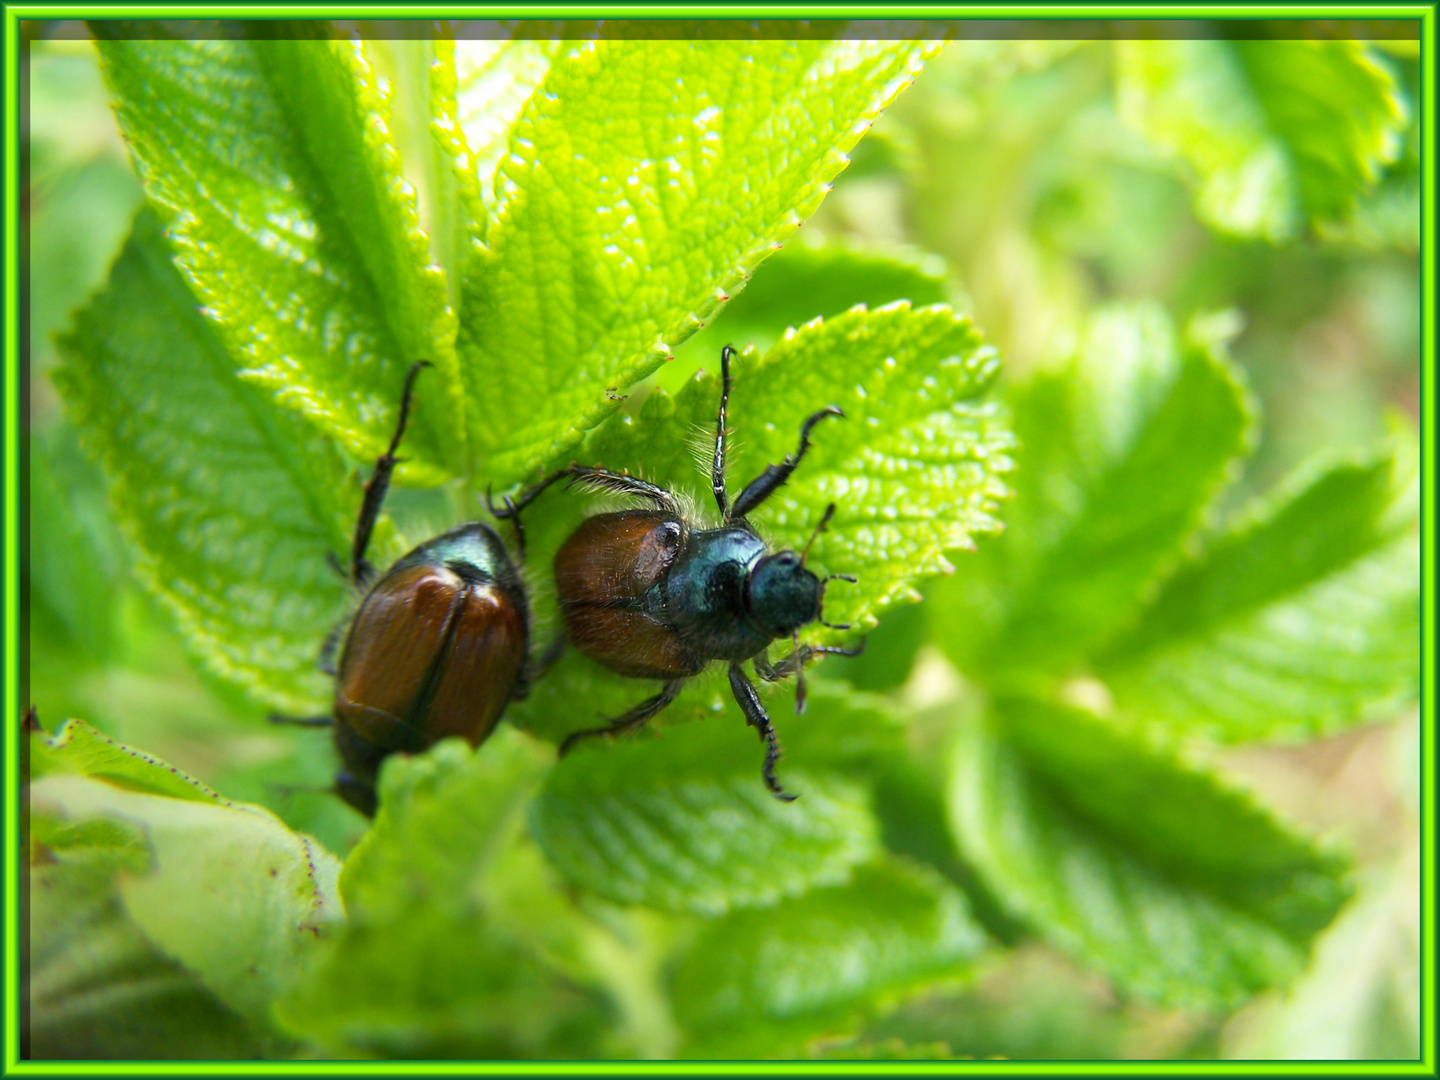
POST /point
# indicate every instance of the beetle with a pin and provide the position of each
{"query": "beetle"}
(438, 646)
(650, 595)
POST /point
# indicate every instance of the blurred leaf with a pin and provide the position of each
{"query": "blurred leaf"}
(97, 989)
(642, 187)
(230, 504)
(1029, 1005)
(229, 892)
(1277, 133)
(1181, 889)
(1361, 997)
(79, 748)
(759, 983)
(684, 823)
(805, 280)
(271, 165)
(422, 970)
(890, 650)
(887, 1050)
(74, 549)
(1300, 618)
(1388, 216)
(1122, 449)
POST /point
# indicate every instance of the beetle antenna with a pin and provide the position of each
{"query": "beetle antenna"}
(824, 521)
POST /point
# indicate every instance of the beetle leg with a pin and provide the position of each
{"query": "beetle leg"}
(717, 465)
(326, 660)
(593, 476)
(361, 572)
(805, 653)
(536, 669)
(769, 481)
(756, 717)
(633, 720)
(764, 668)
(301, 721)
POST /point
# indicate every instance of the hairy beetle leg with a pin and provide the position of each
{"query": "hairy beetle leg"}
(633, 720)
(759, 719)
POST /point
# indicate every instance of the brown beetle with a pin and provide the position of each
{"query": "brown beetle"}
(437, 648)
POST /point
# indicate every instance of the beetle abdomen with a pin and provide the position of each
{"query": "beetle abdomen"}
(430, 654)
(603, 574)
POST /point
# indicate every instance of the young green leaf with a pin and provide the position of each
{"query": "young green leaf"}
(1300, 618)
(271, 164)
(1277, 133)
(79, 748)
(493, 81)
(420, 77)
(231, 504)
(1178, 887)
(684, 823)
(227, 890)
(1122, 450)
(642, 187)
(761, 983)
(443, 816)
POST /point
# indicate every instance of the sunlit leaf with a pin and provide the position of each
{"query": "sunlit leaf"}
(270, 163)
(642, 187)
(231, 504)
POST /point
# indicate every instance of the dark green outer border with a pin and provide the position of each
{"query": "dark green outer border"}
(12, 706)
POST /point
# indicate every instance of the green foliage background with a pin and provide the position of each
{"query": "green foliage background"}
(1127, 338)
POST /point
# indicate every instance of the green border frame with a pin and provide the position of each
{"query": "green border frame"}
(1426, 14)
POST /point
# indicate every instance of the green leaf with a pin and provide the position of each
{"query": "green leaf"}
(417, 78)
(493, 81)
(231, 504)
(1276, 133)
(684, 823)
(805, 280)
(1122, 449)
(1119, 852)
(422, 969)
(98, 989)
(79, 748)
(1361, 997)
(642, 187)
(884, 1050)
(1301, 617)
(442, 818)
(759, 983)
(228, 892)
(75, 553)
(271, 165)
